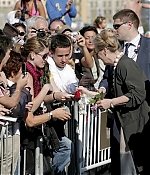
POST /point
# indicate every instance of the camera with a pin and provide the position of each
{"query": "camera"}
(41, 33)
(74, 34)
(23, 12)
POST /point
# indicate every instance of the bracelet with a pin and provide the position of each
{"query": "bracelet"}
(111, 103)
(17, 90)
(54, 96)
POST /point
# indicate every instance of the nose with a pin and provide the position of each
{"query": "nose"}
(64, 58)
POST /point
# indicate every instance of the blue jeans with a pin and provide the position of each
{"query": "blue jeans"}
(63, 156)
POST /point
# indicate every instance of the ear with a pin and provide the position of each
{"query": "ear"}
(32, 55)
(105, 51)
(51, 53)
(130, 24)
(12, 75)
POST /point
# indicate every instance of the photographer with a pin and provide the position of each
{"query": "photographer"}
(20, 38)
(89, 67)
(29, 8)
(37, 26)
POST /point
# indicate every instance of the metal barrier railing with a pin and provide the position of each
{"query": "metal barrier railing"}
(86, 129)
(7, 147)
(92, 140)
(4, 147)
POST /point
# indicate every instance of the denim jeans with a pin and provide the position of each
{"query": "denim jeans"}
(63, 156)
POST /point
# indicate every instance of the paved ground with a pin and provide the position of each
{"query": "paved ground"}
(103, 170)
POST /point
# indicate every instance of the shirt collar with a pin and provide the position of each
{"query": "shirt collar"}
(10, 83)
(135, 41)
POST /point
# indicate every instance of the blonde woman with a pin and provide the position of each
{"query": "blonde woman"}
(128, 103)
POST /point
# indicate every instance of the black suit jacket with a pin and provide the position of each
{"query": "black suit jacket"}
(143, 60)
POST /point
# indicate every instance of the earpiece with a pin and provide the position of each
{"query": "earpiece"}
(136, 51)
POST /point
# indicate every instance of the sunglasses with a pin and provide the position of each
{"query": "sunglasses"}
(116, 26)
(44, 57)
(22, 33)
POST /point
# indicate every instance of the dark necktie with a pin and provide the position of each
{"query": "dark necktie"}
(127, 45)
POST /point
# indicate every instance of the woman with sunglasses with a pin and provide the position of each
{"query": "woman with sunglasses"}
(128, 104)
(22, 33)
(35, 50)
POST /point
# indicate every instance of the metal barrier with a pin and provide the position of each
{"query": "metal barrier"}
(8, 147)
(92, 137)
(87, 129)
(8, 160)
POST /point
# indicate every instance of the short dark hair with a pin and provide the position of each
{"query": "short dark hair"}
(88, 28)
(5, 44)
(126, 15)
(59, 40)
(19, 25)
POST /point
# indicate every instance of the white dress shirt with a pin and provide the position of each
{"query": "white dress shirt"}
(133, 49)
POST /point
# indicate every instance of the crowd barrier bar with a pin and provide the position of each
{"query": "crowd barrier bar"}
(92, 141)
(38, 150)
(86, 129)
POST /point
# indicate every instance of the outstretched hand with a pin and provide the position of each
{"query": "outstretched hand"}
(61, 114)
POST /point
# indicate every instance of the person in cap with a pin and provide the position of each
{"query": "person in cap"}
(65, 29)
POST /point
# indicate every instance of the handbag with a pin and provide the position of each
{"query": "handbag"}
(48, 168)
(50, 136)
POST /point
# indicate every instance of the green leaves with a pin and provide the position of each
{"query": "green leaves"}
(96, 98)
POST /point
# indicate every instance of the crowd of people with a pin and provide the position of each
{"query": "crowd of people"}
(46, 62)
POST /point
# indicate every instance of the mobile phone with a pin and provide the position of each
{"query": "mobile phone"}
(24, 71)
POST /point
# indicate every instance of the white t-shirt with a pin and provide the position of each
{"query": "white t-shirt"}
(64, 78)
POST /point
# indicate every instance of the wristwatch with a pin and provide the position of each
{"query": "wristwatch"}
(111, 103)
(50, 115)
